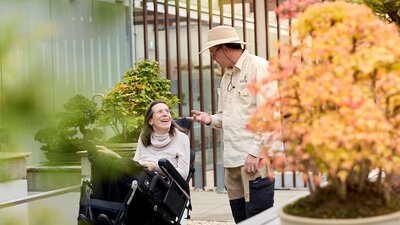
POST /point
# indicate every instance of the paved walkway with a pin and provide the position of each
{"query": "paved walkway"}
(209, 206)
(212, 206)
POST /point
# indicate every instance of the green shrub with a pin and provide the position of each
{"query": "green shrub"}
(123, 106)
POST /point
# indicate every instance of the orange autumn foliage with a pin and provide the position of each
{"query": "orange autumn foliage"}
(339, 96)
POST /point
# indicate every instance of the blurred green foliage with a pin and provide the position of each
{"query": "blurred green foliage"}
(24, 94)
(27, 90)
(74, 131)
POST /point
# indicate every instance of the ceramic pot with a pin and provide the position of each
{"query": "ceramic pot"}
(62, 157)
(389, 219)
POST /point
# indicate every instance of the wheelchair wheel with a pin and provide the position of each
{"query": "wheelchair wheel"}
(85, 213)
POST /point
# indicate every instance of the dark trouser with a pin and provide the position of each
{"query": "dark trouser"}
(242, 210)
(249, 194)
(238, 207)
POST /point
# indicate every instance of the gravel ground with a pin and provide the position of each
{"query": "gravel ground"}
(197, 222)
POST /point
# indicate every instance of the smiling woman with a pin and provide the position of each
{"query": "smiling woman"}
(162, 138)
(161, 119)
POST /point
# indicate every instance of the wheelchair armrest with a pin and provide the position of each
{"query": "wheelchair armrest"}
(157, 179)
(170, 171)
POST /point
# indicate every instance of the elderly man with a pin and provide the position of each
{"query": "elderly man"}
(242, 150)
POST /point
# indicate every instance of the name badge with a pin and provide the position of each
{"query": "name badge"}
(243, 93)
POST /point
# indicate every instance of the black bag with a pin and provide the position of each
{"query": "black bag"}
(112, 177)
(261, 194)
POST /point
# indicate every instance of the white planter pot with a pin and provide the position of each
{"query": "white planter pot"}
(390, 219)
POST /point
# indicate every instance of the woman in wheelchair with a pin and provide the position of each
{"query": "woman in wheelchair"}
(161, 138)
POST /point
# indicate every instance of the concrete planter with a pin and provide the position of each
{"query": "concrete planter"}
(49, 177)
(13, 165)
(13, 185)
(62, 157)
(390, 219)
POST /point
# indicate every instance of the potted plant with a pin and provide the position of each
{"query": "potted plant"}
(340, 112)
(386, 9)
(74, 131)
(123, 107)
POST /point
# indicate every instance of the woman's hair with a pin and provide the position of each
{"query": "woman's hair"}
(148, 129)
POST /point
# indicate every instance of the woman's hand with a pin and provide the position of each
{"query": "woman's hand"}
(106, 151)
(152, 166)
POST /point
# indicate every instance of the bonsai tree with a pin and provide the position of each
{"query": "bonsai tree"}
(387, 10)
(124, 106)
(74, 131)
(340, 109)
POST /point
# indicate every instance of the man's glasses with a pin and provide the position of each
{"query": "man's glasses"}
(212, 54)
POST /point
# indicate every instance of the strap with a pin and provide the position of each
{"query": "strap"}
(101, 204)
(189, 208)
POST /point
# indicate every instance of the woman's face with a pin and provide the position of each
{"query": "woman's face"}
(161, 119)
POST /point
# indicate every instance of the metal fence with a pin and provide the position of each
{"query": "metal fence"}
(173, 32)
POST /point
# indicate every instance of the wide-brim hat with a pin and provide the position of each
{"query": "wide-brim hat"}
(221, 35)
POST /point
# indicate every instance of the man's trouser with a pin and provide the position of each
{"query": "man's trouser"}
(237, 185)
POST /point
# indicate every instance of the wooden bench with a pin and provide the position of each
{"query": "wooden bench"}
(126, 150)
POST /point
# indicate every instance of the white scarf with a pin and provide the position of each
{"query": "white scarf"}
(160, 140)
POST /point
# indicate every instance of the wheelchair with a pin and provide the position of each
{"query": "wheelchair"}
(122, 192)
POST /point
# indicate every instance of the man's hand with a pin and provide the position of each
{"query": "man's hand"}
(251, 164)
(200, 117)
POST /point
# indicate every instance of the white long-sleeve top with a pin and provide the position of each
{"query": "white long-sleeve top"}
(235, 107)
(175, 149)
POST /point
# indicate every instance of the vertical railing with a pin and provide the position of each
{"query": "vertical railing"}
(244, 20)
(201, 90)
(200, 14)
(167, 47)
(213, 88)
(189, 61)
(178, 53)
(145, 28)
(266, 28)
(156, 36)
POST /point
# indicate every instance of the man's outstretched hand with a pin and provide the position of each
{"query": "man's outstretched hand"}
(200, 117)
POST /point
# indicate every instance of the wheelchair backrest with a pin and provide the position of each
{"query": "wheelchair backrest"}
(187, 124)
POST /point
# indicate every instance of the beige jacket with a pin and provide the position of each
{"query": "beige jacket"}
(235, 107)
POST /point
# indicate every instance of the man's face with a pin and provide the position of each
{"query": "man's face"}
(214, 51)
(220, 54)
